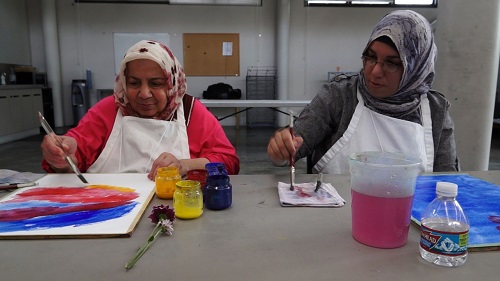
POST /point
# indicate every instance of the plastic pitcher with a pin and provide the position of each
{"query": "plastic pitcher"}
(382, 189)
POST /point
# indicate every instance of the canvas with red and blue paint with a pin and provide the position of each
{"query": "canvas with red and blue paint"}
(60, 206)
(479, 199)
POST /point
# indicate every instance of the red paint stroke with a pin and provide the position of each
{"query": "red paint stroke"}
(74, 195)
(495, 219)
(78, 199)
(301, 193)
(28, 213)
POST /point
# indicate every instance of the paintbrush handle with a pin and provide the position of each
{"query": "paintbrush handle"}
(292, 163)
(46, 127)
(8, 187)
(16, 185)
(71, 164)
(58, 142)
(53, 136)
(292, 156)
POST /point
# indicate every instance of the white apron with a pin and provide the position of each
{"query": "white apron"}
(135, 143)
(372, 131)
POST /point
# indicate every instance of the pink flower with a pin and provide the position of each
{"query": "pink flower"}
(163, 217)
(162, 213)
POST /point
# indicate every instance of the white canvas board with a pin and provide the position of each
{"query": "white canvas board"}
(123, 225)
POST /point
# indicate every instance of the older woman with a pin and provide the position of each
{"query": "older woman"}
(388, 106)
(149, 122)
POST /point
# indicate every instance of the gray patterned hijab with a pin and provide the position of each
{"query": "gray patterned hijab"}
(412, 35)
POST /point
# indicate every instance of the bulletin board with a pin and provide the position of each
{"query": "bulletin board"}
(211, 54)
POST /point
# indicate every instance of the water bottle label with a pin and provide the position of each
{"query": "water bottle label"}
(444, 243)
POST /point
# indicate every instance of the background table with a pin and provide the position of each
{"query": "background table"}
(249, 104)
(255, 239)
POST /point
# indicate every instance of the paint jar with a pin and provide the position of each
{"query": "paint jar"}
(166, 178)
(216, 168)
(218, 192)
(188, 199)
(198, 175)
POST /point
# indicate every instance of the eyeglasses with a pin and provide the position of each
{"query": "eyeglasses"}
(386, 65)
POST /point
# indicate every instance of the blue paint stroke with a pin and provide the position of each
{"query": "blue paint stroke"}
(6, 206)
(74, 219)
(478, 198)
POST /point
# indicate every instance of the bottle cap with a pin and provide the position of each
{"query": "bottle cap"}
(447, 189)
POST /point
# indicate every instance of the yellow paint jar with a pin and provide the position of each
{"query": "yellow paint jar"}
(188, 199)
(166, 178)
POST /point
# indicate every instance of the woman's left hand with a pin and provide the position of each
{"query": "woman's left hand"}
(165, 160)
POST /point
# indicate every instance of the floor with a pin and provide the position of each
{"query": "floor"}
(25, 155)
(250, 143)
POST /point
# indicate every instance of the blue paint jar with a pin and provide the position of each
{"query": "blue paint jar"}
(219, 192)
(216, 168)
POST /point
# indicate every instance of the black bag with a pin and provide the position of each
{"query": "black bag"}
(221, 91)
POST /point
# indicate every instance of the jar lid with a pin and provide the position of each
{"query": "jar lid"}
(447, 189)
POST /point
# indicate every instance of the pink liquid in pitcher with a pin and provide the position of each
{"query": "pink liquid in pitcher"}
(380, 222)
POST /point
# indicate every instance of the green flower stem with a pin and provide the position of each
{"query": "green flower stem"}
(154, 234)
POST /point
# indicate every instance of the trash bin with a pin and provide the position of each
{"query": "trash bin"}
(80, 99)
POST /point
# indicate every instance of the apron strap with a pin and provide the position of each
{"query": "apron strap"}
(188, 102)
(429, 140)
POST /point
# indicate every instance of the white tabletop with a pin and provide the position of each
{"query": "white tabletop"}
(254, 103)
(256, 239)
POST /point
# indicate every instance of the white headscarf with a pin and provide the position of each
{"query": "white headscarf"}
(176, 79)
(412, 35)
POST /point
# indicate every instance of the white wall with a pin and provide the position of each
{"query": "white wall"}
(321, 39)
(467, 73)
(324, 39)
(14, 33)
(36, 35)
(86, 37)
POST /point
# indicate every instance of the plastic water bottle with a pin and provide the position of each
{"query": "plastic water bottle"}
(444, 235)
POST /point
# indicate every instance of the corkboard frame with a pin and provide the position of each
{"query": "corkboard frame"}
(203, 54)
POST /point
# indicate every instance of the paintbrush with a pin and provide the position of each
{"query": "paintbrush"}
(292, 157)
(319, 182)
(51, 134)
(16, 185)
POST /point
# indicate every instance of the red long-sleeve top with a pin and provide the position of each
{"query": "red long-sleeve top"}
(206, 137)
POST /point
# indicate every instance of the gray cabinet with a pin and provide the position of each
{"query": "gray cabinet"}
(4, 113)
(19, 111)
